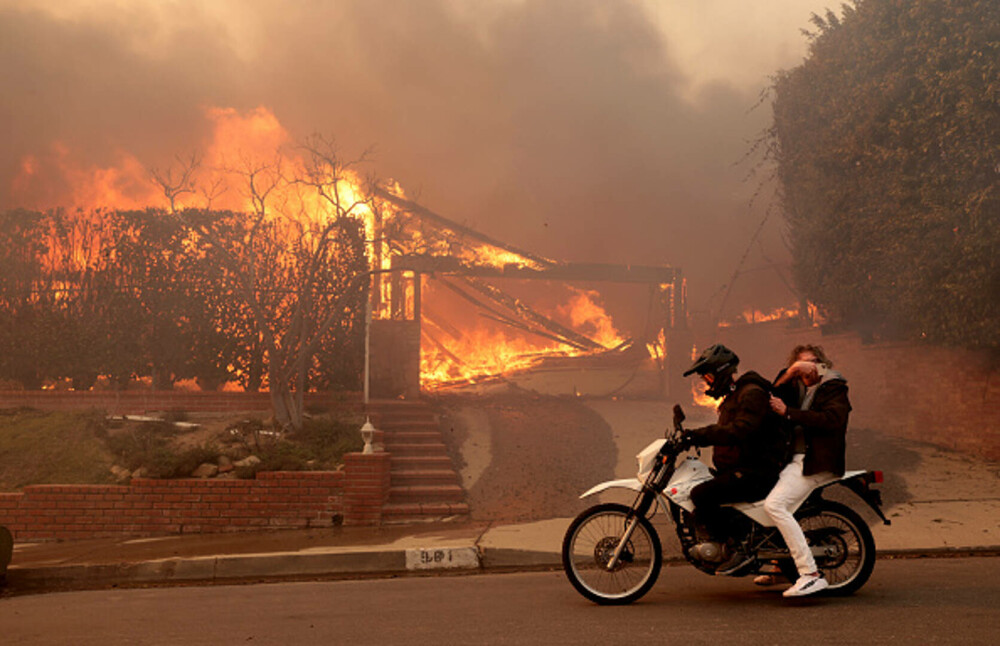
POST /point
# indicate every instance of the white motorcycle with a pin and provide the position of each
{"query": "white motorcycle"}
(611, 553)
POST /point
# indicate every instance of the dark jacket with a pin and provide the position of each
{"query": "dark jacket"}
(747, 436)
(823, 424)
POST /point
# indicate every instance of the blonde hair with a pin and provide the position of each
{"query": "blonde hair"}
(815, 349)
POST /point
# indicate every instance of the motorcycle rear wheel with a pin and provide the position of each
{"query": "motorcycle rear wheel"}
(848, 542)
(588, 545)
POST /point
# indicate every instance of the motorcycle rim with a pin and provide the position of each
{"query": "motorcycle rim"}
(592, 538)
(848, 544)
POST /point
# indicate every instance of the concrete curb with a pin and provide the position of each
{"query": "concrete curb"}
(277, 566)
(298, 566)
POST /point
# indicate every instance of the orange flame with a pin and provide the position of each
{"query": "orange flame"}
(490, 350)
(698, 388)
(255, 143)
(752, 316)
(587, 316)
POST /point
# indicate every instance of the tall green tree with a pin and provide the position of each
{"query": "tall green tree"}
(887, 142)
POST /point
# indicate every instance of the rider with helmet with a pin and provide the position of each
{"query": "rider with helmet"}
(748, 443)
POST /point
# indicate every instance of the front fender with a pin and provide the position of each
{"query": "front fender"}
(628, 483)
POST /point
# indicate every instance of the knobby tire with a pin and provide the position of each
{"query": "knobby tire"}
(589, 539)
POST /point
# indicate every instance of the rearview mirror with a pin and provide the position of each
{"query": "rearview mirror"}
(678, 415)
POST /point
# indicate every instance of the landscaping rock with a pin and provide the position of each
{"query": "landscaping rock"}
(225, 464)
(121, 474)
(205, 470)
(249, 461)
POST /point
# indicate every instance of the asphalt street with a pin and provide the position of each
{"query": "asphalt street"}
(917, 601)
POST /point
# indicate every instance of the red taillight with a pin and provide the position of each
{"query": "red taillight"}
(876, 477)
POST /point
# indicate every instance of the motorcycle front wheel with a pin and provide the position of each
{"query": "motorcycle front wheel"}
(846, 544)
(591, 541)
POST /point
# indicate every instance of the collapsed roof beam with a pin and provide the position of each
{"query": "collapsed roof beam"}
(440, 220)
(529, 314)
(591, 272)
(537, 319)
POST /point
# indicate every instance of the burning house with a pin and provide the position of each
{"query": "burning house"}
(445, 313)
(450, 306)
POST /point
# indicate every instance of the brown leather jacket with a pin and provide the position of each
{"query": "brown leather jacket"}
(824, 424)
(747, 436)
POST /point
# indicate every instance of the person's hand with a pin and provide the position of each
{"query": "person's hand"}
(778, 406)
(694, 438)
(807, 371)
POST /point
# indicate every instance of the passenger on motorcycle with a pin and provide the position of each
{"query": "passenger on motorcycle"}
(813, 400)
(747, 443)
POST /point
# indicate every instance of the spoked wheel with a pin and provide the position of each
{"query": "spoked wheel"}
(590, 544)
(846, 554)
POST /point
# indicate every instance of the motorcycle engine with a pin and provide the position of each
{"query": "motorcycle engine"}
(709, 551)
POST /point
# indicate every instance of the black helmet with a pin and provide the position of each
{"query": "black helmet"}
(717, 359)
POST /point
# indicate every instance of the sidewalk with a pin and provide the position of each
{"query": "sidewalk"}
(931, 528)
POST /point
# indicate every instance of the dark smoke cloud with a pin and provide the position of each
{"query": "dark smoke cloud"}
(562, 126)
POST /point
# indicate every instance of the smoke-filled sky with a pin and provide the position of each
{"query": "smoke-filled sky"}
(587, 130)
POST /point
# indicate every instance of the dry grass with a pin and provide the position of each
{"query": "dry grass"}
(52, 448)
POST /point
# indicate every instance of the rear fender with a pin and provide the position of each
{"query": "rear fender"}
(860, 483)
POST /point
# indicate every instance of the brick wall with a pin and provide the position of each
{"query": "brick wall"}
(366, 488)
(275, 500)
(133, 402)
(944, 396)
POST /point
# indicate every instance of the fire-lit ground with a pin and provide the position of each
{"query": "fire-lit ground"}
(571, 378)
(530, 444)
(525, 459)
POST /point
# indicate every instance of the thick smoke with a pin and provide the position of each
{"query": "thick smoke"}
(561, 126)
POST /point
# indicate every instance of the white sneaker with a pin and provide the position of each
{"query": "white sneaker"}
(807, 584)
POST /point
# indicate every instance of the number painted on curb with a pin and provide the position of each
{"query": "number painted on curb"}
(442, 558)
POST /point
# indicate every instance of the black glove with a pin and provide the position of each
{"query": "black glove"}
(693, 438)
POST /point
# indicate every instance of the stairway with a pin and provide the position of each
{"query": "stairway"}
(424, 484)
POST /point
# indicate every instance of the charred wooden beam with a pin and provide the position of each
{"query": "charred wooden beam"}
(439, 220)
(472, 299)
(589, 272)
(531, 330)
(531, 315)
(437, 321)
(553, 332)
(441, 347)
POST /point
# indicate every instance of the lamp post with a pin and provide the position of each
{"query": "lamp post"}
(368, 429)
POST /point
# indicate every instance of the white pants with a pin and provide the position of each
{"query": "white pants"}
(793, 488)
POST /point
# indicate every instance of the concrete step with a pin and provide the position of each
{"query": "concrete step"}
(423, 448)
(411, 477)
(400, 513)
(407, 425)
(414, 412)
(412, 437)
(426, 494)
(416, 462)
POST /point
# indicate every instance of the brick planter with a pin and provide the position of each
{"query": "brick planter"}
(146, 507)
